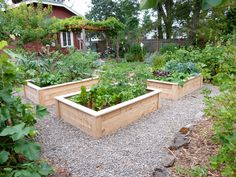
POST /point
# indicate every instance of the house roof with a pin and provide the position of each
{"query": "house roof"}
(48, 2)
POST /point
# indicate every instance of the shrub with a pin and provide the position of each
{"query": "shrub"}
(222, 110)
(135, 53)
(159, 61)
(171, 47)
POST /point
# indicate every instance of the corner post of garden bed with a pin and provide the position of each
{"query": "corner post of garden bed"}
(97, 128)
(176, 92)
(58, 112)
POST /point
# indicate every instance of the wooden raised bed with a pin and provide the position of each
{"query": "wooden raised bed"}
(174, 91)
(100, 123)
(46, 95)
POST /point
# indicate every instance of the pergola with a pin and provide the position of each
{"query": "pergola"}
(110, 26)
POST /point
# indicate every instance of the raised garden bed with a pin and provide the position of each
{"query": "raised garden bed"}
(100, 123)
(45, 95)
(174, 91)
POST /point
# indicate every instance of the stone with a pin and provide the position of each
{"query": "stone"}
(168, 160)
(180, 140)
(161, 172)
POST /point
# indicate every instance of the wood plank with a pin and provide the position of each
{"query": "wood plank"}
(173, 91)
(46, 95)
(101, 123)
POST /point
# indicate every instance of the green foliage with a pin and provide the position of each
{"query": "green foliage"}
(78, 65)
(119, 82)
(197, 171)
(171, 47)
(25, 24)
(222, 110)
(57, 68)
(19, 154)
(211, 60)
(159, 61)
(127, 12)
(177, 72)
(135, 53)
(111, 26)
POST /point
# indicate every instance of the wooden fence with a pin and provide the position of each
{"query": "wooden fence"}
(152, 45)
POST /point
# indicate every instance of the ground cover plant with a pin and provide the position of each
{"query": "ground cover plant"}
(19, 154)
(119, 82)
(56, 68)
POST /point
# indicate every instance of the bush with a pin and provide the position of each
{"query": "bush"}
(159, 61)
(135, 53)
(171, 47)
(211, 61)
(222, 111)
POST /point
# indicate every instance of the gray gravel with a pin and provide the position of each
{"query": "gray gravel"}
(133, 151)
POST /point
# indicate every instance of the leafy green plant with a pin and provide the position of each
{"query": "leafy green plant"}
(171, 47)
(159, 61)
(56, 68)
(197, 171)
(176, 72)
(19, 154)
(119, 82)
(135, 53)
(222, 111)
(78, 65)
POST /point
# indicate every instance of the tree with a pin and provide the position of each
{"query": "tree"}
(25, 23)
(126, 11)
(192, 16)
(206, 4)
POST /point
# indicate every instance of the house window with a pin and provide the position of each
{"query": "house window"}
(67, 39)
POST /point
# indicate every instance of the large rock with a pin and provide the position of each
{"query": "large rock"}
(168, 160)
(180, 140)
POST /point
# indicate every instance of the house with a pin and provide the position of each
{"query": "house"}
(60, 10)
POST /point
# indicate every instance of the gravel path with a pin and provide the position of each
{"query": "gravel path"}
(133, 151)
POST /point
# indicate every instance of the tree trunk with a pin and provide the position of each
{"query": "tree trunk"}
(195, 20)
(159, 23)
(167, 16)
(117, 49)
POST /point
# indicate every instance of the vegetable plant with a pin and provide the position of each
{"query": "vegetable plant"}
(56, 68)
(175, 71)
(119, 82)
(19, 154)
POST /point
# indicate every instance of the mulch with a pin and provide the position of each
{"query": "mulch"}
(198, 152)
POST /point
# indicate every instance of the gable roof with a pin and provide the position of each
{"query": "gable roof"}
(48, 2)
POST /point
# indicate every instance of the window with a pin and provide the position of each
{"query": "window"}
(67, 39)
